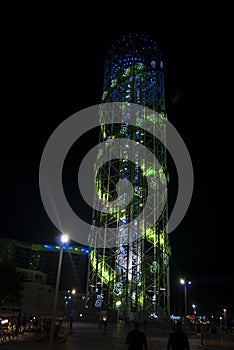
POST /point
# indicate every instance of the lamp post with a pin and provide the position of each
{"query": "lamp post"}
(221, 323)
(63, 240)
(225, 317)
(185, 282)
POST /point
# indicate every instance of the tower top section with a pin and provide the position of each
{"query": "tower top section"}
(135, 47)
(132, 38)
(134, 72)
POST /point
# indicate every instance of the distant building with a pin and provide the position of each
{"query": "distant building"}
(44, 258)
(37, 297)
(38, 263)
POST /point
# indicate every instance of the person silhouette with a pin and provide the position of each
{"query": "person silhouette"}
(178, 340)
(136, 339)
(105, 323)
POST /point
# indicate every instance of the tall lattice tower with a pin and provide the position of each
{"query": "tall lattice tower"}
(131, 276)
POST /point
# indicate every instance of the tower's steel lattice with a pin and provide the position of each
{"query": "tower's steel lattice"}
(132, 276)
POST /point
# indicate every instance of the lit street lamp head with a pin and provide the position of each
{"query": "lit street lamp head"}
(183, 281)
(64, 238)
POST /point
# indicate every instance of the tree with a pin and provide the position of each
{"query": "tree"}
(12, 284)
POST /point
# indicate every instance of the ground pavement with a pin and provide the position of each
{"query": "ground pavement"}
(88, 336)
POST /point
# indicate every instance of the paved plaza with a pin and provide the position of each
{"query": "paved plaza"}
(87, 336)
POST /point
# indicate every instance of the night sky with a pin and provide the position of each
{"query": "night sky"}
(51, 74)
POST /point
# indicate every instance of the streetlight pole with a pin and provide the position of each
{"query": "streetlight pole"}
(225, 317)
(185, 300)
(194, 310)
(184, 282)
(221, 323)
(64, 239)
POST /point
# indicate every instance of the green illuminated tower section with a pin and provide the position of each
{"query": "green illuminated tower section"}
(132, 275)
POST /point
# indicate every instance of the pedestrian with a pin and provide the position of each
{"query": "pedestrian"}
(208, 333)
(105, 323)
(203, 333)
(23, 323)
(71, 324)
(136, 339)
(178, 340)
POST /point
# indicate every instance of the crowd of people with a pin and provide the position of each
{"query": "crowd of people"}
(12, 327)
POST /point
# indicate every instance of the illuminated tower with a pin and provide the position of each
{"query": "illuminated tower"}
(133, 274)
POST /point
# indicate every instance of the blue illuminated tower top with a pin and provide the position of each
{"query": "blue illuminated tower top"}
(134, 72)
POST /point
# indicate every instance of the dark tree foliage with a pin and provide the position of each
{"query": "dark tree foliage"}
(11, 284)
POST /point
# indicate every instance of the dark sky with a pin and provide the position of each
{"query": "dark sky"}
(55, 72)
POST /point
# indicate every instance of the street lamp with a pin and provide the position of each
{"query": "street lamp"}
(185, 282)
(68, 297)
(194, 309)
(63, 240)
(225, 317)
(221, 323)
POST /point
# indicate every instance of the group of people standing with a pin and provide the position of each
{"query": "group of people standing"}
(205, 331)
(177, 340)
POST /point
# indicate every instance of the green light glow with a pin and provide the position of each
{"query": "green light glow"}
(141, 299)
(150, 172)
(105, 272)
